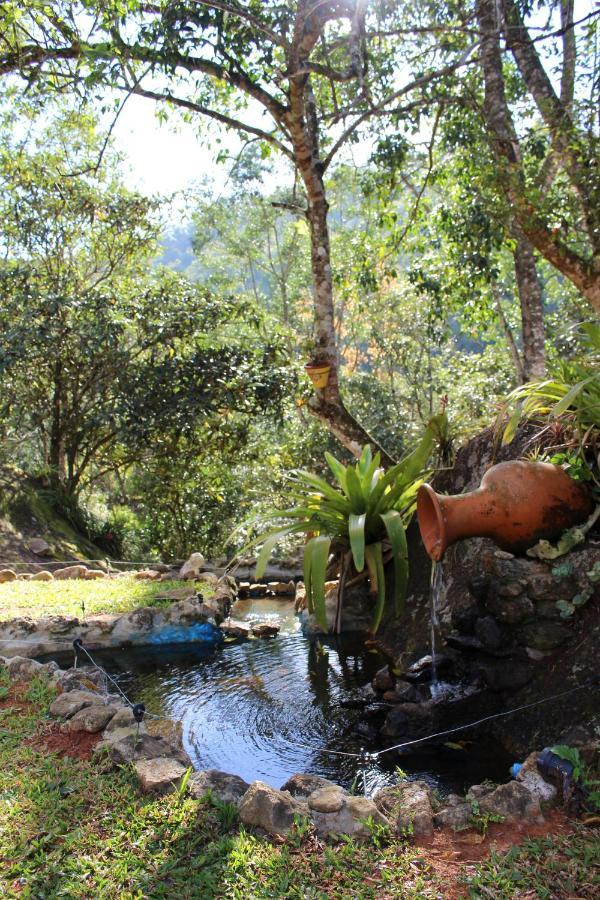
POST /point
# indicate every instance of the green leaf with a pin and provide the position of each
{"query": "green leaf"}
(307, 570)
(355, 493)
(267, 549)
(356, 532)
(374, 559)
(317, 551)
(513, 424)
(338, 469)
(365, 460)
(397, 537)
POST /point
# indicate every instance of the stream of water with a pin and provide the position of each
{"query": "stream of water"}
(437, 590)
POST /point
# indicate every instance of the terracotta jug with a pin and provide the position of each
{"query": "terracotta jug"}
(517, 504)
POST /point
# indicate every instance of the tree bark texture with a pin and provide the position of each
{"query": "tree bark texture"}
(583, 273)
(532, 311)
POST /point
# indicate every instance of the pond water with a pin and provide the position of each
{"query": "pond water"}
(268, 708)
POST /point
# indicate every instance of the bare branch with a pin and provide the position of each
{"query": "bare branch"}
(229, 121)
(418, 82)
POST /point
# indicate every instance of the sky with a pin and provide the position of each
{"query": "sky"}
(169, 157)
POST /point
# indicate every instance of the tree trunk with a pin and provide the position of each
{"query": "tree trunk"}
(583, 273)
(532, 310)
(508, 334)
(56, 450)
(327, 404)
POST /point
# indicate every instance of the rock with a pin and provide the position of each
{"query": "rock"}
(351, 818)
(40, 547)
(545, 635)
(512, 801)
(24, 576)
(509, 589)
(168, 729)
(95, 575)
(265, 629)
(329, 799)
(224, 787)
(235, 628)
(67, 705)
(409, 720)
(83, 678)
(25, 669)
(547, 587)
(421, 670)
(282, 588)
(477, 791)
(302, 786)
(383, 680)
(7, 575)
(478, 587)
(257, 590)
(404, 693)
(510, 610)
(408, 804)
(454, 815)
(71, 572)
(463, 618)
(122, 718)
(489, 632)
(532, 780)
(504, 674)
(144, 746)
(43, 576)
(243, 589)
(208, 578)
(91, 718)
(147, 575)
(191, 568)
(273, 811)
(161, 775)
(300, 597)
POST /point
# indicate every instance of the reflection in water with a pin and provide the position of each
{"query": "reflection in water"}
(266, 709)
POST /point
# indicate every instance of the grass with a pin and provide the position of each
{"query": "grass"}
(547, 868)
(77, 829)
(35, 599)
(74, 829)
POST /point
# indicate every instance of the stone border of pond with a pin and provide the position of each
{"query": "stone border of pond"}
(154, 749)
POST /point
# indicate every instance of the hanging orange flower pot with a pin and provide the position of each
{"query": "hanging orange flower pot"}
(318, 374)
(517, 504)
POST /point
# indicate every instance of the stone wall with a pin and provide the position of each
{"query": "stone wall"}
(516, 628)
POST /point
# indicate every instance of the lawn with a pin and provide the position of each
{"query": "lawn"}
(77, 829)
(73, 828)
(71, 598)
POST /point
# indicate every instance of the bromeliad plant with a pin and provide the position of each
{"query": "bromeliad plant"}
(569, 406)
(367, 508)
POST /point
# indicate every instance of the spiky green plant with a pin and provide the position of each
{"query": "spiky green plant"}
(352, 519)
(568, 403)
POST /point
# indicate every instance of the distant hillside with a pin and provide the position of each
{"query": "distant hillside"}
(25, 513)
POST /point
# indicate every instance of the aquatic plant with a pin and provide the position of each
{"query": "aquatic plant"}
(366, 509)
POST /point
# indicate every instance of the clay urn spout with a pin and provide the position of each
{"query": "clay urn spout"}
(517, 504)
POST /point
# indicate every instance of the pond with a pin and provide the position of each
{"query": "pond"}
(268, 708)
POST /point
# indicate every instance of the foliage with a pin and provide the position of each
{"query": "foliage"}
(569, 404)
(582, 774)
(368, 506)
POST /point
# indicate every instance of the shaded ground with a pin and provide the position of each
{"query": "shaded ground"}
(69, 827)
